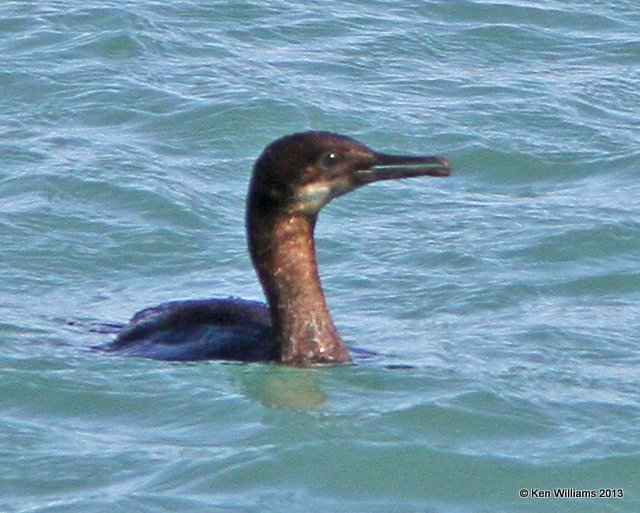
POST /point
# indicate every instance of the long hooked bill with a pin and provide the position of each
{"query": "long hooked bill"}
(391, 167)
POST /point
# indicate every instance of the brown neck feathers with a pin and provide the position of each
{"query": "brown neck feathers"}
(283, 253)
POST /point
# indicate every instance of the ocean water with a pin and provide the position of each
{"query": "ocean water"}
(504, 301)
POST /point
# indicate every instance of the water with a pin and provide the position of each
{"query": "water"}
(505, 300)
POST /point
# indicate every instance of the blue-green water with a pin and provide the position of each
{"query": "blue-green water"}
(505, 299)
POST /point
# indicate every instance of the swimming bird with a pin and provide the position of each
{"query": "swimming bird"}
(292, 180)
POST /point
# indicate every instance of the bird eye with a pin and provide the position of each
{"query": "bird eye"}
(330, 160)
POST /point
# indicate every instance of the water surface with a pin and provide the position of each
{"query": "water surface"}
(504, 301)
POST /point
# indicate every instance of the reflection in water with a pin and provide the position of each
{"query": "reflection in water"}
(284, 387)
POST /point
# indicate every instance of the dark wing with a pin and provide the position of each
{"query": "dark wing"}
(205, 329)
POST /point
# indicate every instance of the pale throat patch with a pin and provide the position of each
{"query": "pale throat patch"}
(312, 197)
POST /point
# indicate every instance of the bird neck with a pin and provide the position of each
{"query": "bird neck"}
(283, 253)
